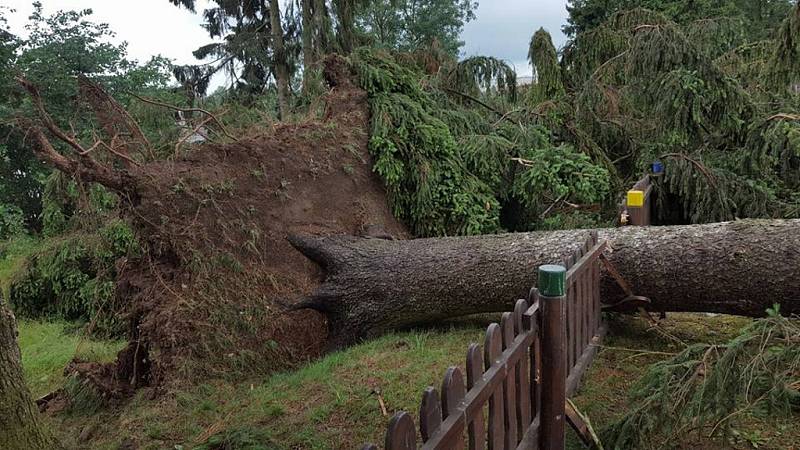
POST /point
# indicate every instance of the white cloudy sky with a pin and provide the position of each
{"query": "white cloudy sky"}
(502, 29)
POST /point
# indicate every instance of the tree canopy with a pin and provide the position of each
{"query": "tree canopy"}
(58, 49)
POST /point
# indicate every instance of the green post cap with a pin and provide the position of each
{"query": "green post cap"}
(552, 279)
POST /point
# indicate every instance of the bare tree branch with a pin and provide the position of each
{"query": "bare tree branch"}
(177, 108)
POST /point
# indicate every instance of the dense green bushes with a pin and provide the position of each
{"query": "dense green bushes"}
(452, 168)
(71, 277)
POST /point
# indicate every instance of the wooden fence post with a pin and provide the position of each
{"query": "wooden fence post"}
(554, 372)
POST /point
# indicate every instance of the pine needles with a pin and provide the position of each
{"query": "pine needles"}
(704, 388)
(447, 155)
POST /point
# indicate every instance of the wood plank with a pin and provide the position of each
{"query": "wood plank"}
(574, 378)
(510, 384)
(430, 414)
(493, 349)
(494, 377)
(531, 320)
(523, 374)
(477, 426)
(587, 296)
(530, 440)
(579, 329)
(581, 427)
(592, 255)
(453, 392)
(400, 434)
(570, 318)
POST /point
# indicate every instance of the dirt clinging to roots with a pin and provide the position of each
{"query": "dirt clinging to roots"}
(210, 295)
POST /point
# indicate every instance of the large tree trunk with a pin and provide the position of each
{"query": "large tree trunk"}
(346, 16)
(281, 67)
(308, 43)
(374, 285)
(20, 424)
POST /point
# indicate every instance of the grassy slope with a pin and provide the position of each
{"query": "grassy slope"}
(331, 403)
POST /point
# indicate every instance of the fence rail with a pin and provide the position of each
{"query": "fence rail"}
(513, 396)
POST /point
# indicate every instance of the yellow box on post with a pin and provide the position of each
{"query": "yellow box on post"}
(636, 199)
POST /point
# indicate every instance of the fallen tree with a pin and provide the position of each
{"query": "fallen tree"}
(215, 230)
(374, 285)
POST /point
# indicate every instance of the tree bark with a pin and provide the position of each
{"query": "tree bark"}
(19, 418)
(374, 285)
(346, 18)
(281, 67)
(320, 28)
(308, 42)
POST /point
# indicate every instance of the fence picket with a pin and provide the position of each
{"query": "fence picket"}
(510, 384)
(570, 343)
(453, 393)
(595, 291)
(493, 350)
(477, 427)
(522, 374)
(534, 358)
(400, 435)
(430, 414)
(586, 300)
(577, 301)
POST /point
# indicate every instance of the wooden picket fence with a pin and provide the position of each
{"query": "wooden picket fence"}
(516, 387)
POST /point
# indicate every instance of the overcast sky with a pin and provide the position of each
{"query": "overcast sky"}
(503, 28)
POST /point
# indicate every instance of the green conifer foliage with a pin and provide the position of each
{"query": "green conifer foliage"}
(547, 72)
(452, 160)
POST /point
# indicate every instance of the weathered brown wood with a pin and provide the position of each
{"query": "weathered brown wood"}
(494, 377)
(578, 302)
(554, 372)
(531, 440)
(531, 320)
(510, 384)
(453, 392)
(587, 293)
(582, 428)
(570, 311)
(430, 414)
(574, 378)
(523, 373)
(641, 215)
(400, 434)
(596, 302)
(585, 260)
(493, 349)
(477, 425)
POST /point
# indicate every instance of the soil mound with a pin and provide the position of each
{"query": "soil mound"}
(210, 295)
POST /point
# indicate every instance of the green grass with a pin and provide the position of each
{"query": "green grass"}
(47, 348)
(332, 403)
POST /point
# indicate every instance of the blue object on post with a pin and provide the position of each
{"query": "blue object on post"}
(658, 167)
